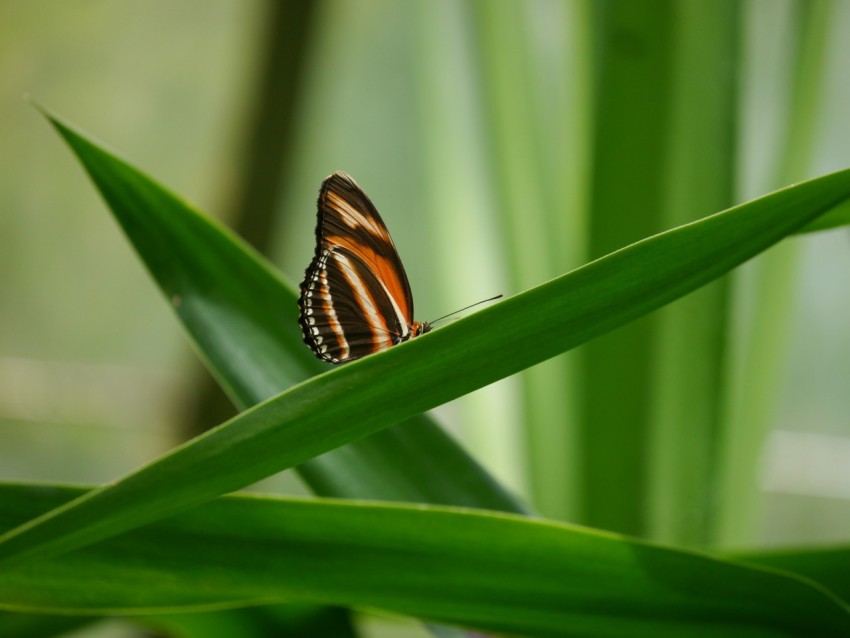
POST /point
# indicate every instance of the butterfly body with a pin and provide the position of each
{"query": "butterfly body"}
(355, 298)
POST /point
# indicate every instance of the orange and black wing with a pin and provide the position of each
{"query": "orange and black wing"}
(355, 297)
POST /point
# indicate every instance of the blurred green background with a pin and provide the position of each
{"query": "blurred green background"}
(244, 107)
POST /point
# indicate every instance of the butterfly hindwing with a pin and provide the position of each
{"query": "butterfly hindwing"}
(347, 313)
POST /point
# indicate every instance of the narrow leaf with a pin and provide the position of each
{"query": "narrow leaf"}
(243, 321)
(687, 364)
(836, 218)
(757, 363)
(632, 125)
(26, 625)
(363, 397)
(829, 566)
(488, 571)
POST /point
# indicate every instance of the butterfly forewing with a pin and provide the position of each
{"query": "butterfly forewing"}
(348, 218)
(355, 297)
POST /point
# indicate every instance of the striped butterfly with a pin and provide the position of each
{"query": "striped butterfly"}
(355, 298)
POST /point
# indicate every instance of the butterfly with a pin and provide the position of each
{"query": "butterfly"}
(355, 298)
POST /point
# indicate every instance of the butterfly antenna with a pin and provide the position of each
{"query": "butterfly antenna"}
(477, 303)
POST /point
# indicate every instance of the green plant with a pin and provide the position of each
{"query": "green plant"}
(235, 310)
(163, 541)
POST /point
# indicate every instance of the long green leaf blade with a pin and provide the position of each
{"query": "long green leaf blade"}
(360, 398)
(828, 566)
(836, 218)
(755, 363)
(243, 321)
(25, 625)
(489, 571)
(631, 127)
(271, 621)
(526, 213)
(687, 364)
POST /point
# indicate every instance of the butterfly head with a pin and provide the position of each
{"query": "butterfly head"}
(419, 328)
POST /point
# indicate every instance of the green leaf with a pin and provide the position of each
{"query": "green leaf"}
(243, 321)
(685, 369)
(837, 217)
(761, 344)
(24, 625)
(626, 204)
(273, 621)
(829, 567)
(488, 571)
(358, 399)
(530, 217)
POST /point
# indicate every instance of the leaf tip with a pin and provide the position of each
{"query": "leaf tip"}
(38, 106)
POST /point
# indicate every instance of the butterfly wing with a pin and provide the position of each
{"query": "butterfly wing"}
(347, 218)
(355, 297)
